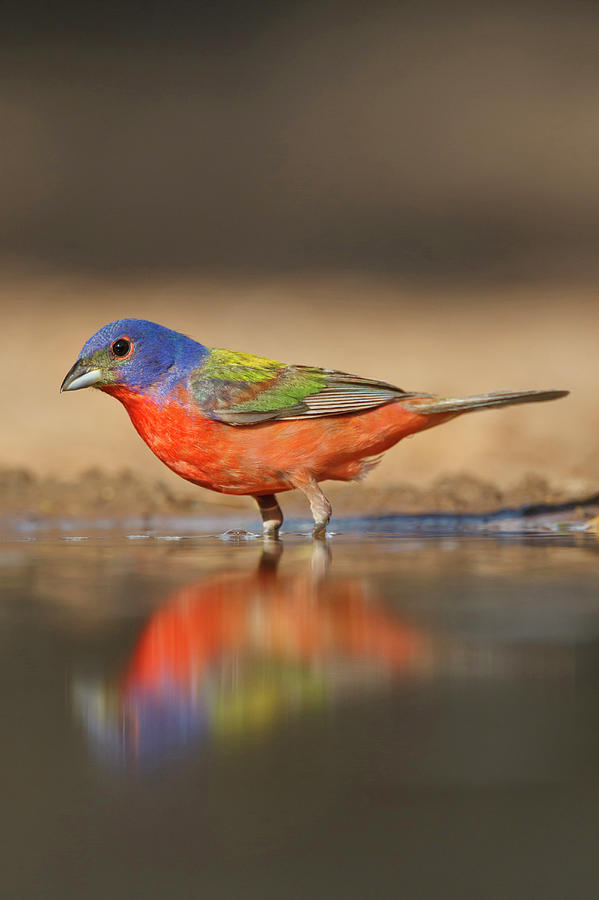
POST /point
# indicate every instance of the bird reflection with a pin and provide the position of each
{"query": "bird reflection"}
(233, 654)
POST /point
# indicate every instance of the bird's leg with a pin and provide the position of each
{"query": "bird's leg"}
(272, 517)
(319, 505)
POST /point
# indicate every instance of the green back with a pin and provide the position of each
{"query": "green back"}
(242, 389)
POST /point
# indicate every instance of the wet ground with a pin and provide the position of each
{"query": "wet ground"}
(412, 712)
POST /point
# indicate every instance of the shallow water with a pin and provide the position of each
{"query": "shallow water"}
(204, 716)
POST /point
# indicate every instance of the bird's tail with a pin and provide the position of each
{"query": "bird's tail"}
(456, 405)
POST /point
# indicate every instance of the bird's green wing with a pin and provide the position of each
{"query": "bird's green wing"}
(242, 389)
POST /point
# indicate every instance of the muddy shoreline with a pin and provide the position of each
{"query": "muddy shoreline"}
(97, 494)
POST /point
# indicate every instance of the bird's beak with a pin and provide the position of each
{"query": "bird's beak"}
(82, 375)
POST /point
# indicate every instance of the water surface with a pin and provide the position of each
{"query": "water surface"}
(391, 714)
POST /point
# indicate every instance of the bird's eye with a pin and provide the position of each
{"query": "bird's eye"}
(122, 347)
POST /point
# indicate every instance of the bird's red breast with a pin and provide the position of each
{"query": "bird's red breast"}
(255, 460)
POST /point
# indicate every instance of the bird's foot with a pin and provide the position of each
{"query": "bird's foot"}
(270, 530)
(319, 505)
(319, 532)
(272, 517)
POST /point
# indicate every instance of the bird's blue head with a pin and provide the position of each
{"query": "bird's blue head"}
(134, 354)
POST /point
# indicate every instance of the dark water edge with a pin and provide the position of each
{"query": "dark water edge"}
(406, 713)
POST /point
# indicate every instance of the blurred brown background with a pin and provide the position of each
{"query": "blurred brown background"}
(407, 193)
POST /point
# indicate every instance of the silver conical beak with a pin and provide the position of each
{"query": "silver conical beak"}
(81, 375)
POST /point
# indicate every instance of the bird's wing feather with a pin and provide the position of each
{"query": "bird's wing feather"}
(241, 389)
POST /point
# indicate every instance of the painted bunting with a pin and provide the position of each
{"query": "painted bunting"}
(242, 424)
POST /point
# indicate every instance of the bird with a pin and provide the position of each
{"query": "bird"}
(242, 424)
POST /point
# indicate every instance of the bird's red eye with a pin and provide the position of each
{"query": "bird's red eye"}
(122, 347)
